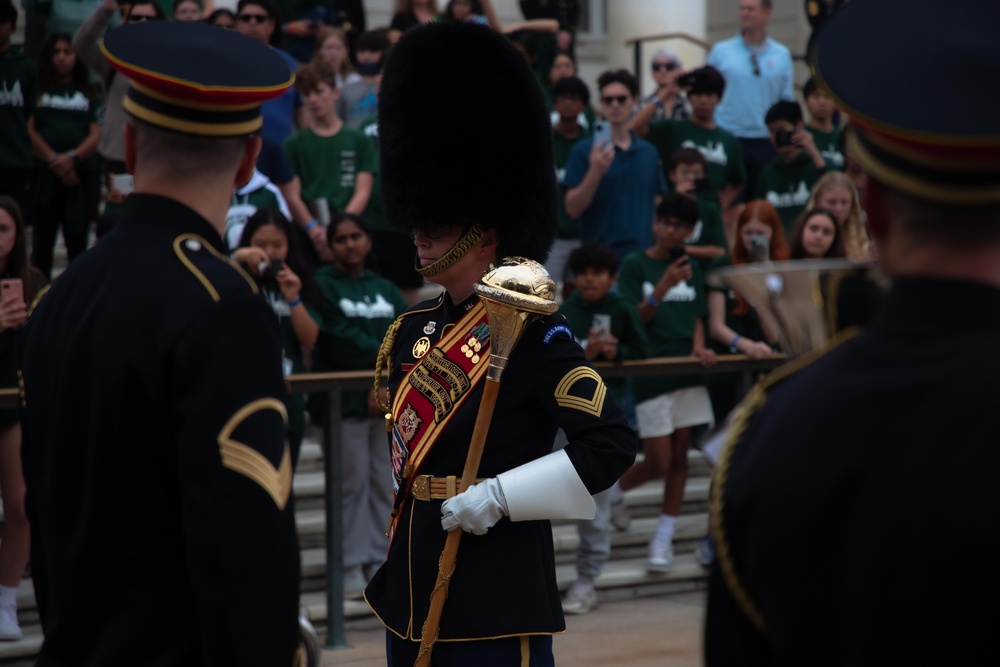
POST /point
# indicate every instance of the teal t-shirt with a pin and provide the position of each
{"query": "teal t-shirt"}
(828, 144)
(671, 329)
(786, 185)
(625, 325)
(721, 149)
(329, 166)
(709, 229)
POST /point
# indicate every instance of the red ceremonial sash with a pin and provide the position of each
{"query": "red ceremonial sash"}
(431, 393)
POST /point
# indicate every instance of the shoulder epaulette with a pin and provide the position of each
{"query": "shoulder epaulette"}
(190, 250)
(737, 426)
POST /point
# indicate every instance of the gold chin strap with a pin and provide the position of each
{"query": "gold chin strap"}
(462, 246)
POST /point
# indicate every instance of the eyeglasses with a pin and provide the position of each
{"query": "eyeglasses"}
(670, 67)
(615, 99)
(139, 18)
(755, 64)
(254, 18)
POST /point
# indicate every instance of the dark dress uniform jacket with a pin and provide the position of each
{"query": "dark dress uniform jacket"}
(162, 531)
(861, 504)
(504, 582)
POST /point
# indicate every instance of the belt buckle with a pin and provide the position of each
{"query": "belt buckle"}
(421, 489)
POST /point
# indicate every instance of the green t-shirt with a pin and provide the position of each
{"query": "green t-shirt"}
(63, 116)
(671, 329)
(329, 166)
(361, 309)
(746, 325)
(828, 144)
(291, 354)
(374, 213)
(721, 149)
(625, 325)
(568, 227)
(787, 185)
(709, 229)
(18, 81)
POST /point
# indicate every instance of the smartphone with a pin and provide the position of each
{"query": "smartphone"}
(760, 248)
(123, 183)
(601, 324)
(676, 253)
(11, 289)
(270, 269)
(782, 138)
(602, 131)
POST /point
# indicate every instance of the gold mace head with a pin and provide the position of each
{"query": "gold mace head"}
(514, 292)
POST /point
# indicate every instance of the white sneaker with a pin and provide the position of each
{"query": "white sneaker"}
(354, 583)
(621, 519)
(581, 598)
(661, 556)
(9, 629)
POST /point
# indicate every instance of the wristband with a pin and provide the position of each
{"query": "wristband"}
(312, 223)
(652, 300)
(297, 301)
(658, 102)
(732, 346)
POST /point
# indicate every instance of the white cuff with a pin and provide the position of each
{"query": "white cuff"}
(546, 488)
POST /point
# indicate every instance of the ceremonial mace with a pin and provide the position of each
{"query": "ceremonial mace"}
(515, 293)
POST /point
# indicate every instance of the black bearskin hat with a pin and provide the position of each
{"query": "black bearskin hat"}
(465, 138)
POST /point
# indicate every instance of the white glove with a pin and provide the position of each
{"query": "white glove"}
(476, 510)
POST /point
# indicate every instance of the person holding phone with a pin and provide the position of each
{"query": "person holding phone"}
(669, 290)
(614, 197)
(19, 284)
(788, 180)
(268, 251)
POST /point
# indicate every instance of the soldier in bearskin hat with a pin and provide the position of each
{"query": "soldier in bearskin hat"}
(855, 502)
(467, 168)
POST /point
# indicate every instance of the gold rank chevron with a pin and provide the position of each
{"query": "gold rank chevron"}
(250, 463)
(594, 405)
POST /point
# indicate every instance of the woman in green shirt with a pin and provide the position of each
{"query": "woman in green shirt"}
(64, 135)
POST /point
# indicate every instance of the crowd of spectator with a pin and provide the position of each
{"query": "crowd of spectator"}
(717, 166)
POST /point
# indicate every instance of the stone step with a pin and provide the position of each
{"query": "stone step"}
(624, 576)
(620, 580)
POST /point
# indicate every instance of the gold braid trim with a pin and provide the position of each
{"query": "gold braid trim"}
(462, 246)
(753, 402)
(381, 362)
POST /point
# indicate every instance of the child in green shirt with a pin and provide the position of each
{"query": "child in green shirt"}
(824, 131)
(608, 328)
(786, 182)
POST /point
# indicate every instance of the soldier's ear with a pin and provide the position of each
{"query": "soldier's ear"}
(248, 161)
(128, 132)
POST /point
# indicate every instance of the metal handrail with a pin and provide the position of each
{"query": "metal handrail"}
(336, 382)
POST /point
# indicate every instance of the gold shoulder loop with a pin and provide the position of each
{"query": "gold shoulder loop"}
(382, 360)
(749, 406)
(385, 357)
(194, 243)
(38, 297)
(250, 463)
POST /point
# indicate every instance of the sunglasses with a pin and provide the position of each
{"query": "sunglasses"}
(615, 99)
(670, 67)
(139, 18)
(755, 64)
(254, 18)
